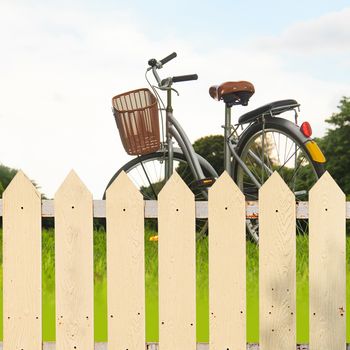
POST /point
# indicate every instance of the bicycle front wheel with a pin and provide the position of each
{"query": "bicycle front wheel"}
(277, 145)
(147, 172)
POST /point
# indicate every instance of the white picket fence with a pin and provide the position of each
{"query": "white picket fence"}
(124, 209)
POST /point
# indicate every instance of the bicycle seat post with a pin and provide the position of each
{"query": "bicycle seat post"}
(232, 93)
(227, 132)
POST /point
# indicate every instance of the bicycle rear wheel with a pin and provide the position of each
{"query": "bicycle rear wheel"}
(278, 145)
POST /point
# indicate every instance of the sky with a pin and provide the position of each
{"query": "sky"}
(61, 62)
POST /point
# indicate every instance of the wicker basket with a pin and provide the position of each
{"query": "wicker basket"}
(136, 115)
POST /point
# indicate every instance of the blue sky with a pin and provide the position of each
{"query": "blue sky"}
(220, 21)
(62, 61)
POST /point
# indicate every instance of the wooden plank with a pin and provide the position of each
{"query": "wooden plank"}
(327, 275)
(177, 266)
(227, 265)
(22, 292)
(125, 266)
(74, 265)
(277, 265)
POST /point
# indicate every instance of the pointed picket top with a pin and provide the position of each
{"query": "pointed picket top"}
(123, 184)
(225, 186)
(174, 186)
(275, 182)
(73, 187)
(327, 185)
(21, 184)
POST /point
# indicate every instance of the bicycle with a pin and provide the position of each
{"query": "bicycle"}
(261, 141)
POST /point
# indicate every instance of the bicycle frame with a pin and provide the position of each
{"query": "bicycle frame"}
(174, 130)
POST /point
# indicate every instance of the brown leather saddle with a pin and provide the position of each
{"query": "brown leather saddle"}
(233, 93)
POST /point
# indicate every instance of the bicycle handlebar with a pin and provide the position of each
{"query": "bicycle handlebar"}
(184, 78)
(168, 58)
(154, 63)
(169, 81)
(166, 83)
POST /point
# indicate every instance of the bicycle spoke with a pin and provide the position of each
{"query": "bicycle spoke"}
(285, 162)
(268, 157)
(288, 158)
(149, 182)
(277, 147)
(279, 152)
(254, 168)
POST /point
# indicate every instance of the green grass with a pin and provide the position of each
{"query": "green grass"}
(151, 278)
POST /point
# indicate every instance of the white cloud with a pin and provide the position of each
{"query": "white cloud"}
(329, 33)
(59, 70)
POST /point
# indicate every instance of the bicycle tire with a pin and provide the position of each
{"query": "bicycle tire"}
(178, 156)
(201, 224)
(292, 134)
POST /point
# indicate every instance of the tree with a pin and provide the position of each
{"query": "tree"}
(336, 145)
(212, 149)
(6, 175)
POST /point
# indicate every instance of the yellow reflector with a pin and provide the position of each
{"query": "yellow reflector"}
(315, 152)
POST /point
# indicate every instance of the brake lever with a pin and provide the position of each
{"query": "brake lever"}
(177, 93)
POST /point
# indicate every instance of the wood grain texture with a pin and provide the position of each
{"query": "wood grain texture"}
(327, 275)
(22, 292)
(277, 265)
(125, 266)
(227, 265)
(74, 266)
(177, 266)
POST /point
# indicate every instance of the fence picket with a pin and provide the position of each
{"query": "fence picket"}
(125, 266)
(227, 265)
(22, 265)
(177, 266)
(277, 265)
(327, 275)
(74, 265)
(124, 210)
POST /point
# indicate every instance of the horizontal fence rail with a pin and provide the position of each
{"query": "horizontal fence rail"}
(151, 209)
(125, 210)
(155, 346)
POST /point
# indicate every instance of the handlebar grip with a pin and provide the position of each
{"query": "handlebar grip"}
(168, 58)
(184, 78)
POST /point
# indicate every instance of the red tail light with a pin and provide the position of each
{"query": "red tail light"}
(305, 128)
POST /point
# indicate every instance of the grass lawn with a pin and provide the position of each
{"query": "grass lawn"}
(152, 289)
